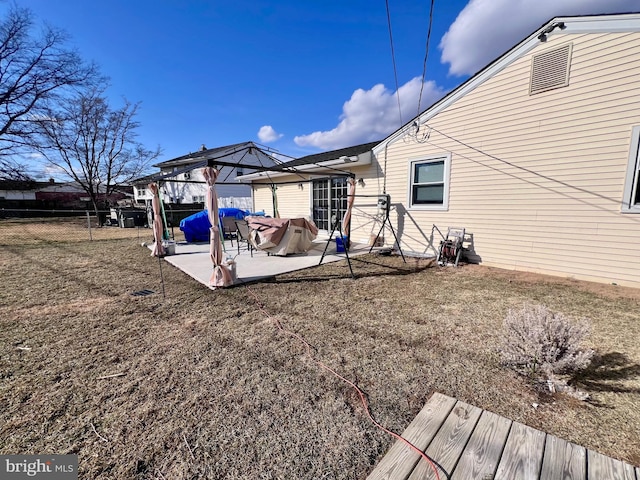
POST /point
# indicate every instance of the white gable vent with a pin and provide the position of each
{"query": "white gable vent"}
(550, 69)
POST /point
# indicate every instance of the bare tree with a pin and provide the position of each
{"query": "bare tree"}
(34, 70)
(94, 144)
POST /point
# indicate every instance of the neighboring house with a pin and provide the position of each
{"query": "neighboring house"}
(181, 179)
(72, 195)
(52, 195)
(537, 156)
(141, 193)
(18, 192)
(317, 189)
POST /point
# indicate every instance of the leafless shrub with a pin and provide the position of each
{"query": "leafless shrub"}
(540, 343)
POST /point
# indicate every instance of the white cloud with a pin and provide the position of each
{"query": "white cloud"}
(267, 134)
(52, 171)
(485, 29)
(371, 115)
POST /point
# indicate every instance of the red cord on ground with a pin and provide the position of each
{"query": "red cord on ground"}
(350, 383)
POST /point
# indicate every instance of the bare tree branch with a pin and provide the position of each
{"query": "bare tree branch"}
(35, 71)
(94, 144)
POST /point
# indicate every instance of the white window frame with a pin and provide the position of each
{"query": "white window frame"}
(444, 206)
(632, 178)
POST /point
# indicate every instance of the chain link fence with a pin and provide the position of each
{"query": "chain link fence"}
(30, 226)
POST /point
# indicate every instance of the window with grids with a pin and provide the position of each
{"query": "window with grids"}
(329, 199)
(429, 183)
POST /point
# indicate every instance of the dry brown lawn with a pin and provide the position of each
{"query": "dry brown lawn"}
(33, 231)
(210, 388)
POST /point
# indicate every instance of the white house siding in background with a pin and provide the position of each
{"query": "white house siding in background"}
(19, 194)
(236, 196)
(545, 195)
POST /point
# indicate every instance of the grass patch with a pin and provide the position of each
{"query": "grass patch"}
(46, 230)
(210, 388)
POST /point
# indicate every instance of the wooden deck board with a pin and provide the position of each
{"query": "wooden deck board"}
(448, 444)
(468, 443)
(607, 468)
(482, 455)
(522, 455)
(563, 460)
(400, 460)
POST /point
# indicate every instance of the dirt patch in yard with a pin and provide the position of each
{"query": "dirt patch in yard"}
(204, 385)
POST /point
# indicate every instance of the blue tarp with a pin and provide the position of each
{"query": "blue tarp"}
(196, 227)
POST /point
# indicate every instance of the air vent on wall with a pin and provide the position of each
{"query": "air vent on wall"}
(550, 69)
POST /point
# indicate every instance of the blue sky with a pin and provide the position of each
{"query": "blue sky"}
(299, 76)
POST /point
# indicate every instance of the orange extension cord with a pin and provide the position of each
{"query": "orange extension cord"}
(350, 383)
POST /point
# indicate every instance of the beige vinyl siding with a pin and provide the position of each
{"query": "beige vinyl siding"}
(293, 202)
(548, 198)
(296, 202)
(262, 199)
(365, 218)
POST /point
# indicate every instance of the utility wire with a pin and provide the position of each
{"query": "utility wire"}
(363, 399)
(393, 59)
(426, 56)
(515, 166)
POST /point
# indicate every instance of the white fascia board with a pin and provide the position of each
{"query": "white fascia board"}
(629, 22)
(574, 25)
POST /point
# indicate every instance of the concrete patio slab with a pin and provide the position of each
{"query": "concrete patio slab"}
(193, 259)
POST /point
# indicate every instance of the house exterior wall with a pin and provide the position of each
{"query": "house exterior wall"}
(546, 194)
(17, 194)
(141, 194)
(236, 196)
(262, 198)
(294, 201)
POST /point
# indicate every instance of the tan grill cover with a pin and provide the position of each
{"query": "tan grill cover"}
(282, 236)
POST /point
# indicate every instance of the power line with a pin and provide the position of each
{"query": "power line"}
(515, 166)
(393, 59)
(426, 55)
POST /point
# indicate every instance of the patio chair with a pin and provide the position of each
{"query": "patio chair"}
(229, 228)
(243, 235)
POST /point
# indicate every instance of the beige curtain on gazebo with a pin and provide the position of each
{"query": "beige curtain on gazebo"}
(158, 228)
(346, 220)
(221, 276)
